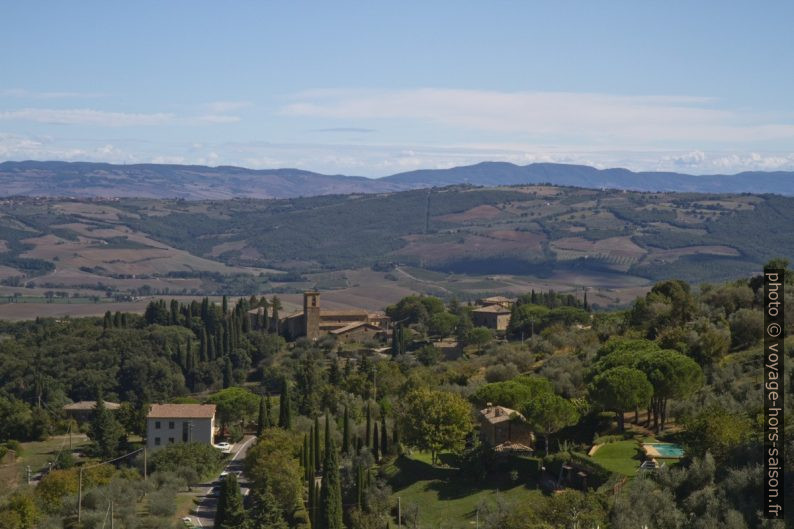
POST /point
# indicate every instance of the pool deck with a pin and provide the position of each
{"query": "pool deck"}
(651, 451)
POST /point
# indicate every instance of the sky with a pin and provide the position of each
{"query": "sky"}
(376, 88)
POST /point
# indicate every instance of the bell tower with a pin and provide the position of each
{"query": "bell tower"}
(311, 315)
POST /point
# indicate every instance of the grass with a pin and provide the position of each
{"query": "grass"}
(441, 497)
(37, 454)
(621, 457)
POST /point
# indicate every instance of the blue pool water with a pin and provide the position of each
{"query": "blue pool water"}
(668, 450)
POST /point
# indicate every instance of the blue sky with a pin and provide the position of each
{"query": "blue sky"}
(376, 88)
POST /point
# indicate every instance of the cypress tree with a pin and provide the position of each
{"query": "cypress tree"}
(359, 486)
(376, 444)
(317, 504)
(285, 408)
(276, 304)
(227, 344)
(311, 501)
(368, 439)
(203, 345)
(384, 436)
(262, 421)
(395, 437)
(269, 411)
(106, 432)
(228, 375)
(395, 340)
(107, 322)
(230, 513)
(265, 513)
(331, 491)
(310, 456)
(225, 306)
(346, 433)
(117, 319)
(305, 452)
(316, 443)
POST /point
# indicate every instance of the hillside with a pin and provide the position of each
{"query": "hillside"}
(191, 182)
(374, 248)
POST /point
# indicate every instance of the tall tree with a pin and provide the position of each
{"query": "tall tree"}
(230, 513)
(376, 443)
(265, 512)
(435, 420)
(368, 434)
(673, 376)
(331, 491)
(285, 408)
(550, 413)
(384, 436)
(346, 433)
(262, 421)
(275, 303)
(106, 432)
(620, 389)
(228, 374)
(316, 442)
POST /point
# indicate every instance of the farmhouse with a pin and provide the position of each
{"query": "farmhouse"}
(492, 316)
(504, 429)
(83, 411)
(502, 301)
(347, 325)
(179, 423)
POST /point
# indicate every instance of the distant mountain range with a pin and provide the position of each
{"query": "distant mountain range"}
(195, 182)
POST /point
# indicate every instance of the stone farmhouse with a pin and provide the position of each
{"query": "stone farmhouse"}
(506, 430)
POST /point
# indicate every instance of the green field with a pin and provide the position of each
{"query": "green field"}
(622, 457)
(440, 497)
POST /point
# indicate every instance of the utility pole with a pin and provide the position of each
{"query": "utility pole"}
(28, 472)
(145, 471)
(399, 513)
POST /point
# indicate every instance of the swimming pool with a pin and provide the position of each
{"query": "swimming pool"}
(664, 450)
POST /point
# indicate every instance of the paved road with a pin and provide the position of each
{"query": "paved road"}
(205, 510)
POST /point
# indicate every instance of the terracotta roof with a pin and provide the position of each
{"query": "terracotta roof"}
(495, 309)
(497, 414)
(496, 299)
(353, 326)
(90, 405)
(179, 411)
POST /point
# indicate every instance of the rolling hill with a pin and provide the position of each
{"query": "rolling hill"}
(457, 240)
(190, 182)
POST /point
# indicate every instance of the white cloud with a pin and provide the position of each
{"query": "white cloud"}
(558, 116)
(86, 116)
(218, 118)
(29, 94)
(222, 107)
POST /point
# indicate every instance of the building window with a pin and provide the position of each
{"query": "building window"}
(170, 425)
(156, 441)
(170, 440)
(156, 425)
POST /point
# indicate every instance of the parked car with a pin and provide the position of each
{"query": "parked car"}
(224, 447)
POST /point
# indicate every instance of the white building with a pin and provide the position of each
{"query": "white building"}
(179, 423)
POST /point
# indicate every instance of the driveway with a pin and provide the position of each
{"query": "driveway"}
(205, 510)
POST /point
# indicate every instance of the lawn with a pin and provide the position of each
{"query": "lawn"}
(622, 457)
(37, 454)
(443, 498)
